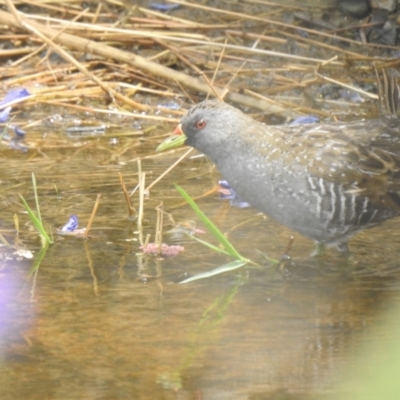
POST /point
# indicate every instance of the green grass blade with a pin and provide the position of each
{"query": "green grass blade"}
(211, 246)
(210, 226)
(220, 270)
(36, 222)
(36, 197)
(269, 259)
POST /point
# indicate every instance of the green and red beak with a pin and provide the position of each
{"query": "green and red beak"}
(177, 139)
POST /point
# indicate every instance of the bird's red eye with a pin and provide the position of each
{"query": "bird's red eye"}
(200, 124)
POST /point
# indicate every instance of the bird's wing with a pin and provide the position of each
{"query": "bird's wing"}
(370, 171)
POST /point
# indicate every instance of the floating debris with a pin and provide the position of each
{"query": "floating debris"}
(12, 97)
(16, 145)
(4, 114)
(85, 130)
(23, 253)
(172, 105)
(306, 119)
(185, 228)
(164, 7)
(15, 141)
(351, 95)
(71, 228)
(18, 132)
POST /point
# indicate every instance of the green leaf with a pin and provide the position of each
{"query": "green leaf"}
(211, 246)
(210, 226)
(220, 270)
(37, 223)
(36, 197)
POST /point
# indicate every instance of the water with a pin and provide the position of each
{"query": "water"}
(97, 319)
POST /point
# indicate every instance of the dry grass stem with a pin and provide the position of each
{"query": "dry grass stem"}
(169, 169)
(131, 210)
(155, 69)
(141, 187)
(92, 215)
(159, 227)
(117, 59)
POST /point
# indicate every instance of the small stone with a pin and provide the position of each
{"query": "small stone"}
(354, 8)
(389, 5)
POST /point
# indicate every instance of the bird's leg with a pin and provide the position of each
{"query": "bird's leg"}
(343, 248)
(319, 250)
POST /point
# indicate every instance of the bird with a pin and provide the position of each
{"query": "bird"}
(326, 181)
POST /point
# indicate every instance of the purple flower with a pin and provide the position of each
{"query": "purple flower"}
(71, 225)
(12, 95)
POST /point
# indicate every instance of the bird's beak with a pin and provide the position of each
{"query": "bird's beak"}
(177, 139)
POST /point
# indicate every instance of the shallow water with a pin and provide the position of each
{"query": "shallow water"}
(97, 319)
